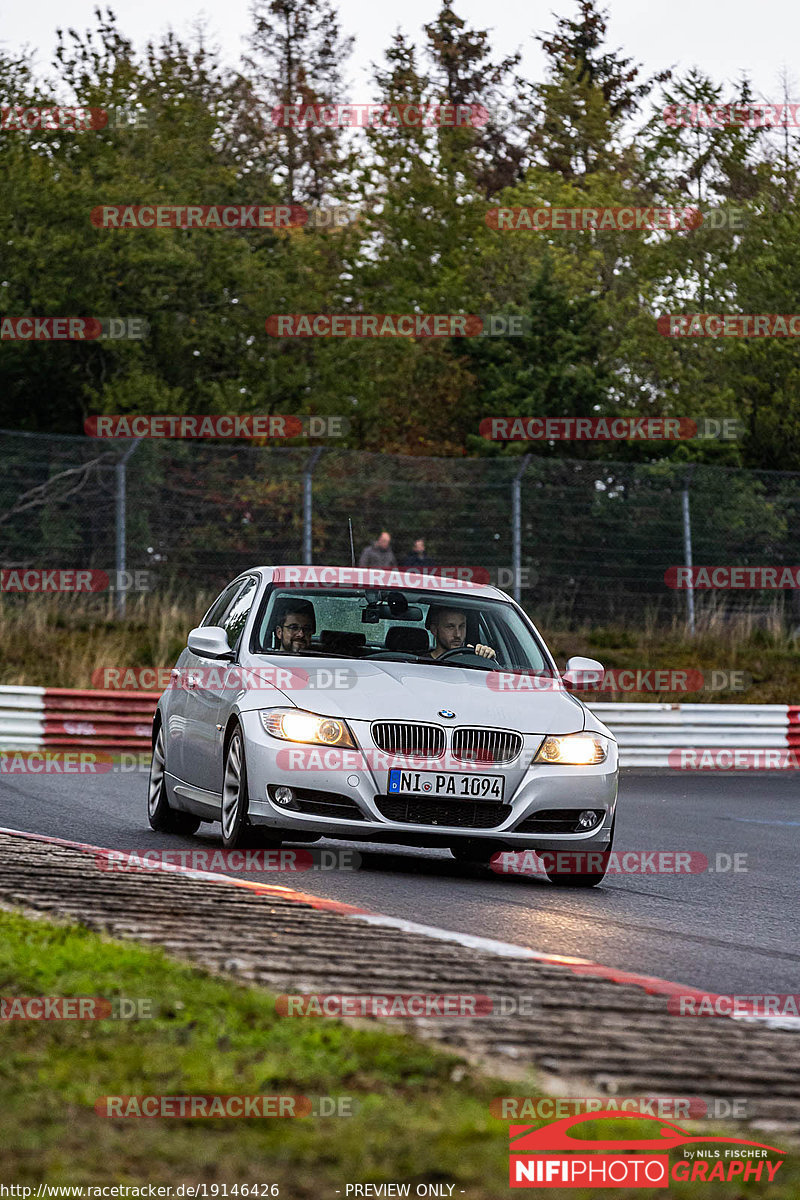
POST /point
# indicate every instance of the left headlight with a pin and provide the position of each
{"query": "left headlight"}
(296, 725)
(573, 750)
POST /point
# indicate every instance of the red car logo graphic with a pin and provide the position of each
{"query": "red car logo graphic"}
(556, 1136)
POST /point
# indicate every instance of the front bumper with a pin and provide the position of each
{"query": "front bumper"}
(539, 787)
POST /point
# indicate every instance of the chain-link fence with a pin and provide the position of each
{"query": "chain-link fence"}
(583, 539)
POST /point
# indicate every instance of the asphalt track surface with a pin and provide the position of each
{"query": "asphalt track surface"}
(731, 932)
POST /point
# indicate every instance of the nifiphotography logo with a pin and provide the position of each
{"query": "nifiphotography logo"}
(555, 1156)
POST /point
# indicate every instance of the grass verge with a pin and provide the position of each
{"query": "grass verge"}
(421, 1114)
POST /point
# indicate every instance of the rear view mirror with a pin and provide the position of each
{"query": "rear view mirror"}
(385, 612)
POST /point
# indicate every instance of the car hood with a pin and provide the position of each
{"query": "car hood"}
(417, 691)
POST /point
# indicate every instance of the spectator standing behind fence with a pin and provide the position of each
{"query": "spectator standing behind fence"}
(417, 560)
(379, 553)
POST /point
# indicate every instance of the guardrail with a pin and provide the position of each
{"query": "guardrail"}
(647, 733)
(32, 718)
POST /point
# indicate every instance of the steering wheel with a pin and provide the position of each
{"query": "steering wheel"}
(491, 663)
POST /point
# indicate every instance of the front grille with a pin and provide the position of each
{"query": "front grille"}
(465, 814)
(556, 820)
(401, 737)
(323, 804)
(475, 745)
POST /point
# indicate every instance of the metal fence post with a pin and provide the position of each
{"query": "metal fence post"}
(121, 593)
(687, 545)
(307, 500)
(516, 527)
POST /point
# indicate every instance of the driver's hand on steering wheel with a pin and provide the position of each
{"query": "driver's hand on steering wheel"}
(483, 651)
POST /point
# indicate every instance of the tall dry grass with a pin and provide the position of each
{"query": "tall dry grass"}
(60, 640)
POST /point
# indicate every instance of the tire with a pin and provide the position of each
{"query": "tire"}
(586, 879)
(162, 818)
(237, 832)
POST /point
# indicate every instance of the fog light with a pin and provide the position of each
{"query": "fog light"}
(283, 795)
(587, 819)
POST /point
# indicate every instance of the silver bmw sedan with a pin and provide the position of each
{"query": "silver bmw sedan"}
(382, 706)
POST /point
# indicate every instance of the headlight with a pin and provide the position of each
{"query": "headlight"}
(295, 725)
(573, 750)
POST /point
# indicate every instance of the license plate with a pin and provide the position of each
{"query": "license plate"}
(463, 787)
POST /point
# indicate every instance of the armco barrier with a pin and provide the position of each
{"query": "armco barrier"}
(32, 717)
(647, 732)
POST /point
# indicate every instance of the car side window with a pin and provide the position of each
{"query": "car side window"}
(219, 608)
(234, 619)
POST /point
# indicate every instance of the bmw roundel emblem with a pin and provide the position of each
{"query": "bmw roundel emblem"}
(445, 712)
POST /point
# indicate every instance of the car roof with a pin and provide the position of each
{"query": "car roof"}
(359, 577)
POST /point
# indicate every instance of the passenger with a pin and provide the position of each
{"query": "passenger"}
(449, 629)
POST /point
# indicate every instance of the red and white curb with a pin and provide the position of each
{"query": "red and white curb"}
(651, 984)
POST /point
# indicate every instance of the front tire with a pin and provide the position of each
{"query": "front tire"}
(162, 818)
(237, 832)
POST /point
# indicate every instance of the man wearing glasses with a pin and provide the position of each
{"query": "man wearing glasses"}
(296, 623)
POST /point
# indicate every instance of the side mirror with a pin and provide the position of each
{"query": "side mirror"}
(583, 674)
(209, 641)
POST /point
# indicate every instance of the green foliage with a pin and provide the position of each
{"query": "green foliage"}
(590, 133)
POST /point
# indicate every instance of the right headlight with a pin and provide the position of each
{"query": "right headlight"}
(296, 725)
(573, 750)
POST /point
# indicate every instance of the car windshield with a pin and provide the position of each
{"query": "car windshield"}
(397, 625)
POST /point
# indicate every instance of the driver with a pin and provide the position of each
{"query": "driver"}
(449, 629)
(295, 624)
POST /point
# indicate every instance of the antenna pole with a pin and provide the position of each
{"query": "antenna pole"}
(352, 547)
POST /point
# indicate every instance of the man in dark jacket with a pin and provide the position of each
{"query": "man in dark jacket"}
(417, 560)
(379, 553)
